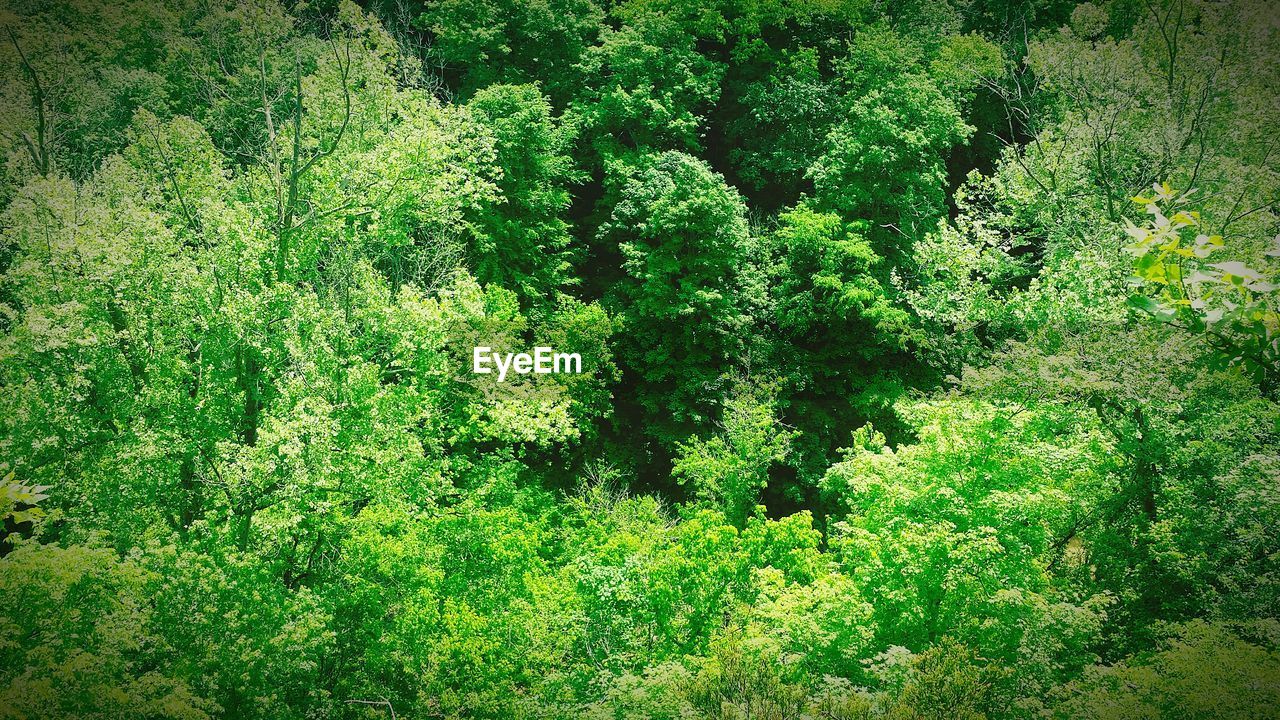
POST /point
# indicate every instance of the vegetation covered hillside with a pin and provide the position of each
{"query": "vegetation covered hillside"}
(928, 359)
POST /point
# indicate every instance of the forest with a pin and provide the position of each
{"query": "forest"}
(928, 359)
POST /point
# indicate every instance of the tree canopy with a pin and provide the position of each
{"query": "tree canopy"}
(927, 359)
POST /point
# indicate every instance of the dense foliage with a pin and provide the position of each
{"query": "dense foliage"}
(930, 362)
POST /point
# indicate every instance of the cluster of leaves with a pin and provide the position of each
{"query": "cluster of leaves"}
(1187, 282)
(18, 503)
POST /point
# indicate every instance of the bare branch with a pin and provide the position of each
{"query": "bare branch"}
(37, 149)
(379, 703)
